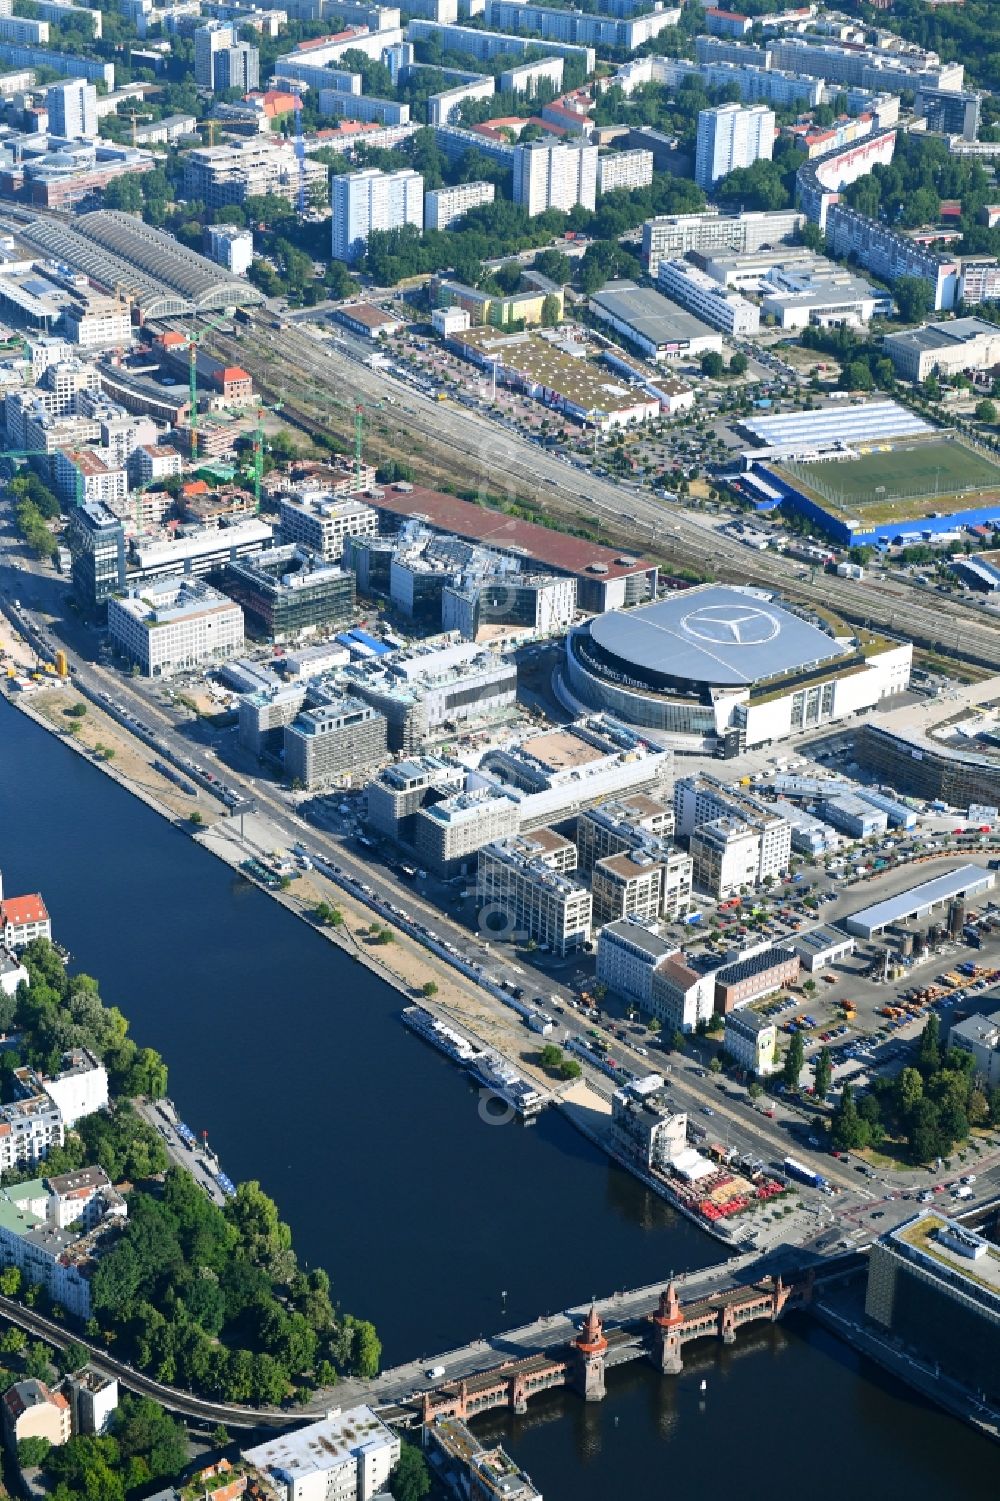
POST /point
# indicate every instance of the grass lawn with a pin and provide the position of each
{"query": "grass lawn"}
(942, 470)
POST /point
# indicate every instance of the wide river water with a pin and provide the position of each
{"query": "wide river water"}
(434, 1224)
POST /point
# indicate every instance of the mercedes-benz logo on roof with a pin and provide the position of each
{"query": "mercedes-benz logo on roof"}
(731, 625)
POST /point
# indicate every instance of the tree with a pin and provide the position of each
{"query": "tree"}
(824, 1073)
(848, 1131)
(550, 1056)
(909, 1088)
(366, 1350)
(410, 1479)
(794, 1060)
(986, 412)
(929, 1051)
(32, 1452)
(712, 365)
(146, 1431)
(429, 989)
(38, 1361)
(10, 1282)
(570, 1069)
(739, 364)
(755, 1089)
(72, 1358)
(551, 311)
(913, 295)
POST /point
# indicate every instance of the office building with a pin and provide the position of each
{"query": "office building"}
(725, 853)
(944, 348)
(72, 108)
(287, 592)
(345, 1456)
(980, 1036)
(396, 795)
(701, 295)
(96, 540)
(754, 977)
(444, 206)
(934, 1286)
(729, 137)
(629, 952)
(627, 885)
(646, 1128)
(624, 823)
(426, 696)
(370, 199)
(948, 112)
(683, 991)
(526, 879)
(175, 625)
(199, 551)
(339, 738)
(449, 833)
(699, 800)
(555, 174)
(674, 235)
(322, 524)
(751, 1040)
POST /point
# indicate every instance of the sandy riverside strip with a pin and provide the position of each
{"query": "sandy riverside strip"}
(404, 964)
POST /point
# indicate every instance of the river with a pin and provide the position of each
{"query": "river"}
(434, 1224)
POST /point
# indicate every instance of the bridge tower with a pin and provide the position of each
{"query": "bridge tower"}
(668, 1321)
(589, 1350)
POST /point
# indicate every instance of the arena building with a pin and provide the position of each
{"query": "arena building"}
(717, 664)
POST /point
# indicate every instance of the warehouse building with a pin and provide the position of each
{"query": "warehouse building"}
(655, 326)
(920, 901)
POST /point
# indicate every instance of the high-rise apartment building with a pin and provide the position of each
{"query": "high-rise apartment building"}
(209, 41)
(732, 136)
(237, 68)
(72, 108)
(555, 174)
(370, 199)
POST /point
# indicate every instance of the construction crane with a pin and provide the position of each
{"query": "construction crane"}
(194, 339)
(359, 424)
(300, 152)
(258, 451)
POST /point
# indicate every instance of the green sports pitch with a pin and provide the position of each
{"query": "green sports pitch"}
(888, 475)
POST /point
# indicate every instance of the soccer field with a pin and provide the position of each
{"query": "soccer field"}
(943, 469)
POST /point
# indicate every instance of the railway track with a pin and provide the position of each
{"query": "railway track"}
(485, 457)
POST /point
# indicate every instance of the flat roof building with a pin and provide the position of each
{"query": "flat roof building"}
(655, 326)
(175, 624)
(920, 901)
(321, 524)
(944, 348)
(336, 739)
(521, 878)
(289, 592)
(346, 1456)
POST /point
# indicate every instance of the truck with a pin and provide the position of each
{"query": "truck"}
(803, 1174)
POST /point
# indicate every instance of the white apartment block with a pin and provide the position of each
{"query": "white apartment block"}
(890, 253)
(322, 524)
(700, 294)
(725, 854)
(628, 952)
(624, 170)
(36, 1237)
(345, 1456)
(151, 464)
(673, 235)
(367, 200)
(732, 136)
(30, 1125)
(98, 478)
(443, 206)
(72, 108)
(80, 1088)
(96, 322)
(231, 246)
(525, 78)
(702, 799)
(545, 904)
(556, 174)
(173, 624)
(22, 919)
(447, 833)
